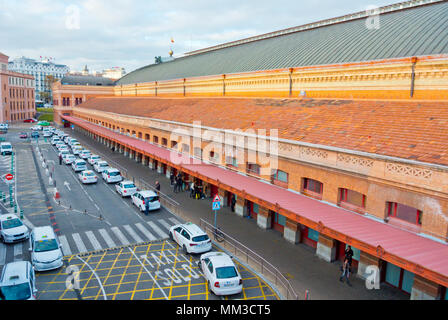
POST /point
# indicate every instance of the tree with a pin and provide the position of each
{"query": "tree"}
(47, 95)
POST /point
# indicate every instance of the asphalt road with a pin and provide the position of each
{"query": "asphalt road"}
(103, 236)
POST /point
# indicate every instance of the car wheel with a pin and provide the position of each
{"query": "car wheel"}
(171, 236)
(185, 249)
(209, 287)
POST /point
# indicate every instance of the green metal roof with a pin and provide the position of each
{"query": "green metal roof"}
(416, 31)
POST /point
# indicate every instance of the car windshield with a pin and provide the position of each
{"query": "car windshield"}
(104, 165)
(81, 164)
(6, 147)
(46, 245)
(94, 158)
(114, 173)
(131, 185)
(16, 292)
(200, 238)
(11, 223)
(226, 272)
(89, 174)
(152, 199)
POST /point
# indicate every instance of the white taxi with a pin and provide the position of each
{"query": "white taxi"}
(99, 166)
(79, 165)
(85, 154)
(190, 238)
(12, 228)
(88, 176)
(93, 158)
(46, 253)
(144, 198)
(69, 158)
(18, 281)
(126, 188)
(111, 175)
(77, 150)
(221, 273)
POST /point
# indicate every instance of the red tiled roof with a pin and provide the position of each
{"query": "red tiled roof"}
(404, 129)
(423, 252)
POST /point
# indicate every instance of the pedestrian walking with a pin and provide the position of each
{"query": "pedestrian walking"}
(349, 254)
(158, 187)
(146, 208)
(172, 180)
(192, 189)
(60, 159)
(345, 272)
(178, 183)
(232, 203)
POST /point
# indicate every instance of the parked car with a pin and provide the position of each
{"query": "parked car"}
(47, 134)
(190, 238)
(55, 139)
(141, 198)
(46, 253)
(23, 135)
(18, 281)
(220, 273)
(31, 120)
(36, 128)
(85, 154)
(126, 188)
(77, 150)
(88, 176)
(69, 158)
(35, 134)
(43, 123)
(5, 148)
(79, 165)
(63, 153)
(111, 175)
(12, 229)
(99, 166)
(93, 158)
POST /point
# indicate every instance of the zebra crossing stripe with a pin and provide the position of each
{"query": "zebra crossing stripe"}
(79, 243)
(175, 221)
(133, 233)
(107, 238)
(2, 254)
(18, 247)
(120, 235)
(95, 243)
(164, 223)
(157, 229)
(65, 246)
(145, 231)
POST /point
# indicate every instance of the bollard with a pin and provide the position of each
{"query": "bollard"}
(21, 213)
(15, 208)
(307, 295)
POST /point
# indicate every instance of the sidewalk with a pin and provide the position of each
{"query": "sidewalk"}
(298, 263)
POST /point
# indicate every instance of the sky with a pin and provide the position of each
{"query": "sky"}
(130, 33)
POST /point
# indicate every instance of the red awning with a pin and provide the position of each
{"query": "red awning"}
(415, 249)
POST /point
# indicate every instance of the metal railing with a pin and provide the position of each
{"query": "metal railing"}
(253, 259)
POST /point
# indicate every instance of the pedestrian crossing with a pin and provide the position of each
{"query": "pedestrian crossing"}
(95, 240)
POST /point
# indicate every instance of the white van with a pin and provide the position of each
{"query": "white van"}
(18, 281)
(5, 148)
(46, 253)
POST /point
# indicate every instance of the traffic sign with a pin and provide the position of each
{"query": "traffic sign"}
(216, 205)
(9, 177)
(216, 199)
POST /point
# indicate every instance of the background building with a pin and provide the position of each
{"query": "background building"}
(40, 70)
(16, 94)
(114, 73)
(362, 121)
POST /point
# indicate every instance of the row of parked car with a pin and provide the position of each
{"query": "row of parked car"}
(220, 271)
(74, 154)
(18, 280)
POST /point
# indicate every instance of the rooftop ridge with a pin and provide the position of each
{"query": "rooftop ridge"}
(348, 17)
